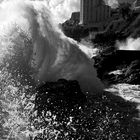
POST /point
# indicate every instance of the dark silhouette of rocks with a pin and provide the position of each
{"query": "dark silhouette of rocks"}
(126, 61)
(61, 94)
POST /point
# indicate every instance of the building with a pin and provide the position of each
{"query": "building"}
(94, 14)
(75, 16)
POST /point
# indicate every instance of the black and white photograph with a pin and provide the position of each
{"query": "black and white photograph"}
(69, 69)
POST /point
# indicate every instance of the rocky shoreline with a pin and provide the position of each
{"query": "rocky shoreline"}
(120, 66)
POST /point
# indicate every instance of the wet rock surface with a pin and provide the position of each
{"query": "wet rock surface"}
(128, 62)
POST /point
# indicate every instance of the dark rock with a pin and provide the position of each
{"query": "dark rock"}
(62, 94)
(132, 72)
(126, 61)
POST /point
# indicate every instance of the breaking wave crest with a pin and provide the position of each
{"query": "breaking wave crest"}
(47, 53)
(34, 51)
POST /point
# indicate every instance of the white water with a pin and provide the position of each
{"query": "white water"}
(51, 55)
(33, 51)
(129, 93)
(130, 44)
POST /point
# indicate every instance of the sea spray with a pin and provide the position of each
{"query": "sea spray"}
(53, 56)
(130, 44)
(34, 51)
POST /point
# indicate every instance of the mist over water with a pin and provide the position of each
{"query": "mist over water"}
(130, 44)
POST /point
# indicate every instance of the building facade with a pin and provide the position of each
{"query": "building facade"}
(94, 13)
(75, 16)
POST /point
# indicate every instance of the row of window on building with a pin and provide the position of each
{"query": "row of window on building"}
(95, 13)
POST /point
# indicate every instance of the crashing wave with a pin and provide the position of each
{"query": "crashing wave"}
(34, 51)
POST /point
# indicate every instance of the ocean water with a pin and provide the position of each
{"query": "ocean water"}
(128, 92)
(33, 51)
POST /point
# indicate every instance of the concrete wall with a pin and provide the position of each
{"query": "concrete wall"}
(93, 12)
